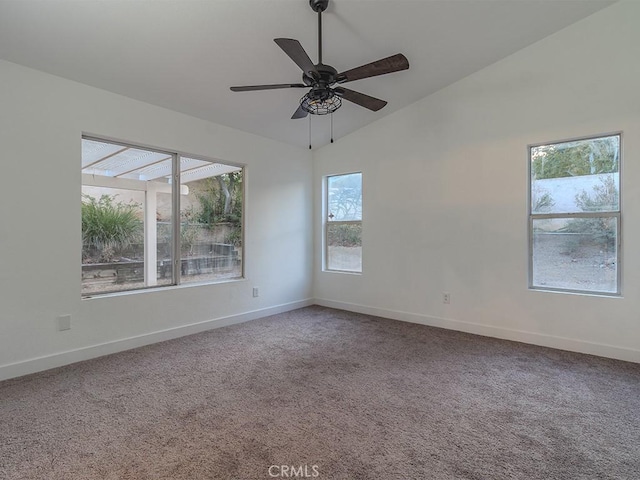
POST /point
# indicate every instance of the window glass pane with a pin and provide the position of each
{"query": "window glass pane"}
(576, 254)
(344, 247)
(344, 197)
(210, 221)
(577, 176)
(126, 217)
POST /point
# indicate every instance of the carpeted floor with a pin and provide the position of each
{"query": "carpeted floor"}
(347, 396)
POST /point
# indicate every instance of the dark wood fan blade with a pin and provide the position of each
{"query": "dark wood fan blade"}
(299, 113)
(361, 99)
(250, 88)
(295, 51)
(394, 63)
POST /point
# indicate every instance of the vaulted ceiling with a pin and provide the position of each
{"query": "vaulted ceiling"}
(185, 54)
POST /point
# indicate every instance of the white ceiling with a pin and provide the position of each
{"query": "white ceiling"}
(185, 54)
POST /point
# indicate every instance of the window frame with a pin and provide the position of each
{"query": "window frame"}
(326, 223)
(176, 259)
(571, 215)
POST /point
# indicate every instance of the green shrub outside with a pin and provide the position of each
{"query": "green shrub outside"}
(108, 227)
(345, 235)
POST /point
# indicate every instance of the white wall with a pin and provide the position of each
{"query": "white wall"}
(445, 193)
(42, 118)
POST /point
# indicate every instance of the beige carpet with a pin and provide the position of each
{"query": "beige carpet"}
(348, 396)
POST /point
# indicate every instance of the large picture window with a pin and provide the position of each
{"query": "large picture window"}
(343, 226)
(152, 218)
(574, 219)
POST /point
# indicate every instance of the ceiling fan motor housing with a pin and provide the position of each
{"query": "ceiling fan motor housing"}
(327, 76)
(319, 94)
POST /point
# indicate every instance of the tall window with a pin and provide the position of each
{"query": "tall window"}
(574, 219)
(343, 226)
(153, 218)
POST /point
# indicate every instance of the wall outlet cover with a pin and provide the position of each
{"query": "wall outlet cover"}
(64, 323)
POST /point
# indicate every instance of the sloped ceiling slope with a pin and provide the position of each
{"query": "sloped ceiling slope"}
(185, 54)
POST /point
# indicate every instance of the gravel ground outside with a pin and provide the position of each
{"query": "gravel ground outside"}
(562, 263)
(559, 263)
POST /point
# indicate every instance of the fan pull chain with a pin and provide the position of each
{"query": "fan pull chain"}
(309, 132)
(331, 127)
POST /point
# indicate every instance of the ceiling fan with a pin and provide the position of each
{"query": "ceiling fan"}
(325, 83)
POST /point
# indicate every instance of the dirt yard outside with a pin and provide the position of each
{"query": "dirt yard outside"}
(562, 263)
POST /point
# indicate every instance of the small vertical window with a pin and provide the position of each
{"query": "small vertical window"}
(343, 226)
(139, 230)
(574, 219)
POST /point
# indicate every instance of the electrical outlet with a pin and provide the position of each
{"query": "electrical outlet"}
(256, 292)
(64, 323)
(446, 298)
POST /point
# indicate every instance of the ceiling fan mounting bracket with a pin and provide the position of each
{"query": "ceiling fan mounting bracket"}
(319, 5)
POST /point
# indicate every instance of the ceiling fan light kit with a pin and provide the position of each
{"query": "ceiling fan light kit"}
(325, 93)
(320, 105)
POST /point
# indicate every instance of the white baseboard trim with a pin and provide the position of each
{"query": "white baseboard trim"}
(39, 364)
(561, 343)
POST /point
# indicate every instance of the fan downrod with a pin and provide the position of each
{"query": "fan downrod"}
(319, 5)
